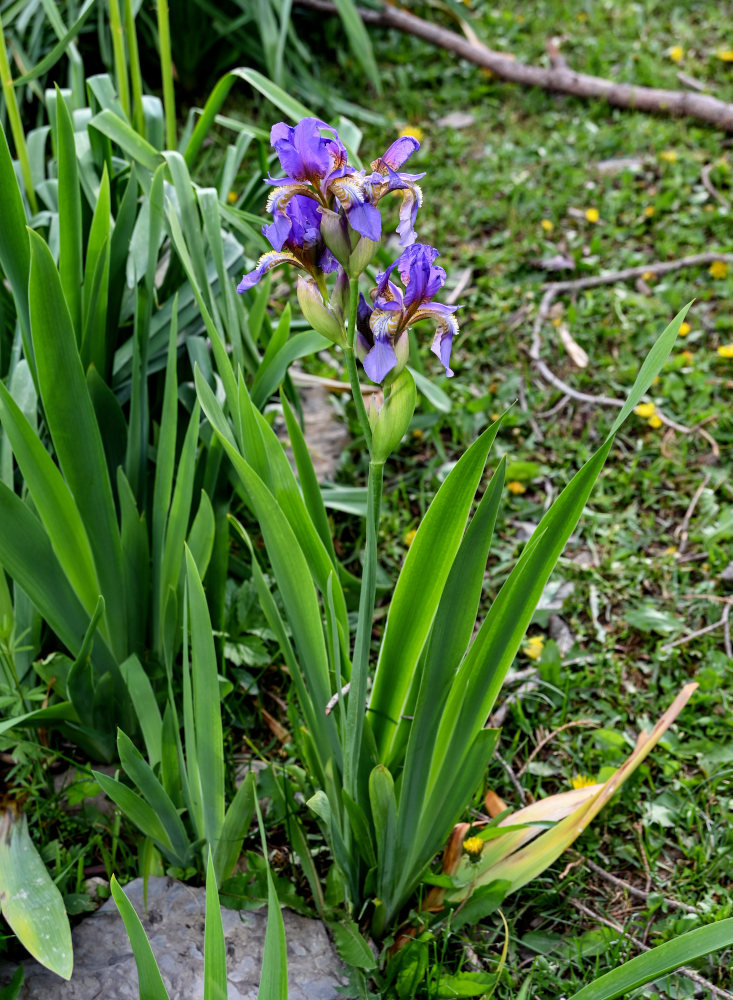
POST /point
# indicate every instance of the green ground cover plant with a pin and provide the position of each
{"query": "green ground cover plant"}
(541, 183)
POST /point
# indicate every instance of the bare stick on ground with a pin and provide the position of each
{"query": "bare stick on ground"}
(558, 77)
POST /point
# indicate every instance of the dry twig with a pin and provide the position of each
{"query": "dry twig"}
(551, 736)
(632, 889)
(681, 530)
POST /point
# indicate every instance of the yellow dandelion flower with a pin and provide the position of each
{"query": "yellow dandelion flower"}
(581, 781)
(592, 214)
(684, 329)
(668, 155)
(676, 53)
(547, 225)
(409, 537)
(649, 211)
(725, 54)
(718, 269)
(649, 276)
(671, 550)
(232, 197)
(726, 350)
(494, 416)
(655, 422)
(533, 648)
(687, 356)
(514, 486)
(645, 410)
(414, 130)
(473, 846)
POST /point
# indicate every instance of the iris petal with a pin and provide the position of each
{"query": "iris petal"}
(266, 262)
(380, 361)
(398, 153)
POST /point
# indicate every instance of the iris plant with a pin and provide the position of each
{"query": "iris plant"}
(391, 780)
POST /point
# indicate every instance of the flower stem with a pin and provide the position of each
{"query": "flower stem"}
(351, 363)
(360, 665)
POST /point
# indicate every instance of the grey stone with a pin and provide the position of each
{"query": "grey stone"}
(457, 119)
(104, 966)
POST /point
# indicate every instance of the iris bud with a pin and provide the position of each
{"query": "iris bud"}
(390, 423)
(335, 232)
(318, 314)
(362, 256)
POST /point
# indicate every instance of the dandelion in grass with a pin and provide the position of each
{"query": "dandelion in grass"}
(413, 130)
(409, 537)
(381, 341)
(645, 410)
(726, 350)
(649, 211)
(725, 55)
(547, 225)
(533, 647)
(473, 846)
(718, 269)
(592, 214)
(676, 53)
(668, 156)
(684, 329)
(655, 421)
(514, 486)
(582, 781)
(687, 356)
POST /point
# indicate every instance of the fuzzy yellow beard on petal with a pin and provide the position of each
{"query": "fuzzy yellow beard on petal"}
(280, 196)
(385, 323)
(349, 190)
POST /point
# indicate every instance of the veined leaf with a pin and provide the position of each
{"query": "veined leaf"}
(206, 710)
(659, 961)
(29, 899)
(215, 955)
(53, 501)
(148, 974)
(75, 432)
(418, 591)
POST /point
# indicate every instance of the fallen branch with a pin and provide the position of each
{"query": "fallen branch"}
(555, 288)
(558, 77)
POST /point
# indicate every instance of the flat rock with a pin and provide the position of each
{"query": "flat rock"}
(457, 119)
(104, 966)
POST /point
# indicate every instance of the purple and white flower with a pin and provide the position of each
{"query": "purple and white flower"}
(319, 182)
(381, 338)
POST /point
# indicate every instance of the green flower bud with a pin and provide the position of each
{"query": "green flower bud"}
(335, 234)
(319, 314)
(362, 256)
(390, 423)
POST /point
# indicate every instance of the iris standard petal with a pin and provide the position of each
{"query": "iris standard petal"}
(302, 150)
(398, 153)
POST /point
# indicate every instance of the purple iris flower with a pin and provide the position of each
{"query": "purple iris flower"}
(295, 236)
(381, 327)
